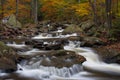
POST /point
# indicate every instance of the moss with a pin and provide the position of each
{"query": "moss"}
(73, 29)
(4, 48)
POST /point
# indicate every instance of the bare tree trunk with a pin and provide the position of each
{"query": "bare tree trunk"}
(108, 16)
(32, 9)
(2, 9)
(117, 6)
(17, 2)
(93, 6)
(109, 13)
(34, 13)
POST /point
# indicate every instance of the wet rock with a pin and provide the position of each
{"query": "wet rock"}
(108, 55)
(8, 58)
(7, 65)
(91, 42)
(57, 58)
(114, 59)
(75, 38)
(54, 47)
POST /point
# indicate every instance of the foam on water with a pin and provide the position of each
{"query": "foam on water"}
(14, 45)
(49, 36)
(32, 52)
(92, 63)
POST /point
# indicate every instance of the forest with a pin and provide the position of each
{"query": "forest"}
(59, 39)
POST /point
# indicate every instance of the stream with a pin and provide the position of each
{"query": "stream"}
(92, 69)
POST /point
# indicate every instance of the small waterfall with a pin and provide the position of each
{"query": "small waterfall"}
(93, 62)
(14, 45)
(62, 72)
(50, 36)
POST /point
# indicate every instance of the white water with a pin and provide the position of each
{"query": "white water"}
(32, 52)
(49, 36)
(14, 45)
(92, 63)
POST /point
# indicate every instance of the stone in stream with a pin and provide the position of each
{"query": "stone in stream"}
(56, 58)
(108, 55)
(91, 42)
(8, 58)
(47, 44)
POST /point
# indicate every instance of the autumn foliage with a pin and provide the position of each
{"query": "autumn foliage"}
(9, 7)
(58, 9)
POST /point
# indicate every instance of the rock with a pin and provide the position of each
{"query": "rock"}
(63, 58)
(8, 58)
(7, 65)
(12, 22)
(72, 29)
(75, 38)
(91, 42)
(57, 58)
(114, 59)
(108, 55)
(53, 47)
(87, 25)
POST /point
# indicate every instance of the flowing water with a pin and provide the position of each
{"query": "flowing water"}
(92, 69)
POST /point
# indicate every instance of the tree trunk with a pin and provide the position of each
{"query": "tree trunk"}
(93, 6)
(17, 2)
(34, 12)
(2, 9)
(32, 9)
(117, 6)
(109, 13)
(108, 16)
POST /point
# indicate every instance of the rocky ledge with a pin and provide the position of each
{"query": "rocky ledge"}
(8, 58)
(59, 59)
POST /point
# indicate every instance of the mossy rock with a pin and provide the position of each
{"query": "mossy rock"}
(91, 42)
(3, 47)
(6, 51)
(8, 58)
(12, 22)
(73, 29)
(87, 25)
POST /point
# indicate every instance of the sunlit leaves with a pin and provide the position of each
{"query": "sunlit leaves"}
(82, 9)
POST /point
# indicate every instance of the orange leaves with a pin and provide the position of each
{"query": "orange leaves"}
(10, 7)
(64, 9)
(51, 7)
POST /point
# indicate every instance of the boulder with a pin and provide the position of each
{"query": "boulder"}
(53, 47)
(12, 22)
(57, 58)
(8, 58)
(87, 25)
(108, 55)
(7, 65)
(72, 29)
(91, 42)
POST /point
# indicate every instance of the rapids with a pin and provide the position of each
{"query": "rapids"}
(92, 69)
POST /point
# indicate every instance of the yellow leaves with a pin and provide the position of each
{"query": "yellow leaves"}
(81, 9)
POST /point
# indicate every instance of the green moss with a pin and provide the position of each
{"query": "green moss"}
(4, 48)
(73, 29)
